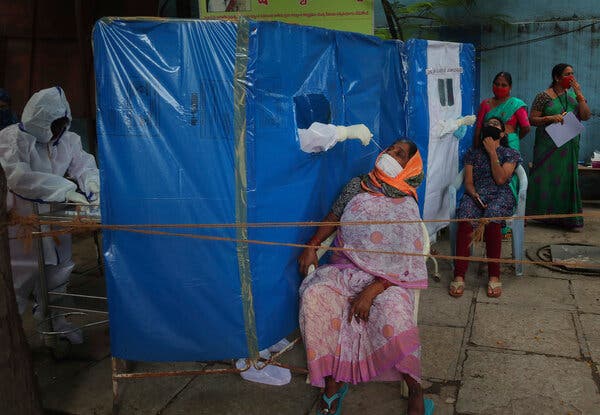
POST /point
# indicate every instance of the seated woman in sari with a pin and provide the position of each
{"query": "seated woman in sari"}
(488, 171)
(356, 313)
(511, 111)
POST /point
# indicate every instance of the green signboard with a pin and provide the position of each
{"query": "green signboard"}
(349, 15)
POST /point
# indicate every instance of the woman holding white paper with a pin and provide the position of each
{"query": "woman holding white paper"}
(554, 180)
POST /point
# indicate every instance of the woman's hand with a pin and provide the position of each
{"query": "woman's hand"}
(555, 118)
(307, 258)
(478, 200)
(576, 87)
(583, 110)
(491, 145)
(509, 129)
(360, 306)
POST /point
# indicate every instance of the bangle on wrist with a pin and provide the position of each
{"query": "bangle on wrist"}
(314, 242)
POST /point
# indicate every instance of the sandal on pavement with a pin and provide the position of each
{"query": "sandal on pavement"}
(329, 400)
(492, 287)
(457, 288)
(429, 405)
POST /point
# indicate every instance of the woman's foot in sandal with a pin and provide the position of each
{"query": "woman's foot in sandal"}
(457, 287)
(416, 404)
(494, 288)
(332, 397)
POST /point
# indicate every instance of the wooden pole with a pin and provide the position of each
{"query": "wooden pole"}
(18, 386)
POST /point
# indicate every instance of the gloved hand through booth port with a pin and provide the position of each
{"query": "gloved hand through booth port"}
(359, 131)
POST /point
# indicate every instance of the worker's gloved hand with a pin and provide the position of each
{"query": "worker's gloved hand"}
(67, 330)
(75, 197)
(93, 189)
(467, 120)
(359, 131)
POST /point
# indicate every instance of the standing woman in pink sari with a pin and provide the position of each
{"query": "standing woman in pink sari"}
(356, 313)
(510, 110)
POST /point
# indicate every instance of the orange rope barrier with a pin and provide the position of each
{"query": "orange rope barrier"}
(91, 225)
(81, 224)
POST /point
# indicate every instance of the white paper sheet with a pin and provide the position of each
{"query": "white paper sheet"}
(569, 129)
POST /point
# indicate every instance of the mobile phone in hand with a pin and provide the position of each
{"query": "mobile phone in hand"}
(480, 202)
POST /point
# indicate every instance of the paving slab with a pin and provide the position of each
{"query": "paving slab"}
(377, 398)
(437, 307)
(444, 271)
(525, 328)
(532, 292)
(48, 370)
(536, 232)
(296, 356)
(587, 294)
(444, 400)
(539, 271)
(77, 358)
(89, 392)
(591, 333)
(503, 383)
(441, 348)
(229, 394)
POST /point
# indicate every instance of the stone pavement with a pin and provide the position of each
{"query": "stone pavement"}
(534, 350)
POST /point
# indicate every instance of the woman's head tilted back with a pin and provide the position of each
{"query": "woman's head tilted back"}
(494, 128)
(402, 150)
(399, 167)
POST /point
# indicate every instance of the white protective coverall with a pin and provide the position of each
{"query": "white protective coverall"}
(35, 168)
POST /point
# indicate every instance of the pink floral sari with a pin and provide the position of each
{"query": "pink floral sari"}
(388, 344)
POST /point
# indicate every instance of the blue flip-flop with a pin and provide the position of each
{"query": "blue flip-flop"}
(429, 405)
(340, 394)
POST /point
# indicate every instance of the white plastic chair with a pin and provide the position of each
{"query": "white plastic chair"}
(517, 225)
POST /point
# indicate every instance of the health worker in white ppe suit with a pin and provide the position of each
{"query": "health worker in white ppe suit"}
(36, 154)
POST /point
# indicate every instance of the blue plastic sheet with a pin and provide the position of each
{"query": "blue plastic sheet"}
(166, 155)
(206, 133)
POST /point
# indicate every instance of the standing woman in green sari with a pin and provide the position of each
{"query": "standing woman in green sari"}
(553, 178)
(511, 110)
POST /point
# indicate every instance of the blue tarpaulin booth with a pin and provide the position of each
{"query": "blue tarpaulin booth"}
(197, 125)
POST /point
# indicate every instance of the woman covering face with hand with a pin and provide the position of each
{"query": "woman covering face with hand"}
(488, 171)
